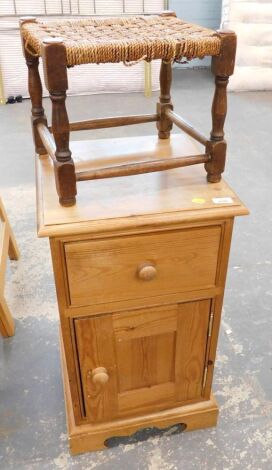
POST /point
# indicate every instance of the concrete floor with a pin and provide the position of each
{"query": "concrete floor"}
(32, 418)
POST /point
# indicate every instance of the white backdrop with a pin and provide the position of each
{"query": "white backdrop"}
(85, 79)
(252, 21)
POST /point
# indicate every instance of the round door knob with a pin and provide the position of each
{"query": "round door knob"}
(100, 376)
(147, 272)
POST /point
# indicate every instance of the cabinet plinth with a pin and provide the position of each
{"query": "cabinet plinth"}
(140, 267)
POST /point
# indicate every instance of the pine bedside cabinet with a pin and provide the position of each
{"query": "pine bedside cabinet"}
(140, 278)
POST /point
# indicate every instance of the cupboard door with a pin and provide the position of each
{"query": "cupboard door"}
(146, 360)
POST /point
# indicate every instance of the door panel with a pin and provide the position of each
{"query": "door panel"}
(145, 345)
(143, 362)
(152, 358)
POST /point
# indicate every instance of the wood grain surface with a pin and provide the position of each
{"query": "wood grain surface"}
(8, 248)
(158, 198)
(184, 260)
(154, 359)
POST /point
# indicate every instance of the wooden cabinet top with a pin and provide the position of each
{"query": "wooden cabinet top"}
(148, 200)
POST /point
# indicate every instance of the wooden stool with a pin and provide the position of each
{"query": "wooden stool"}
(8, 247)
(64, 44)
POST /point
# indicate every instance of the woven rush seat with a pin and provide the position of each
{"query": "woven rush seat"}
(123, 39)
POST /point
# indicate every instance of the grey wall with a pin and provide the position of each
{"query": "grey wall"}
(204, 12)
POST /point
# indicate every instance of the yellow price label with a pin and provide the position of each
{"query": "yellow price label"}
(199, 200)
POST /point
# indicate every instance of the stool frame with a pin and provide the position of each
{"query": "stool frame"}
(8, 248)
(54, 140)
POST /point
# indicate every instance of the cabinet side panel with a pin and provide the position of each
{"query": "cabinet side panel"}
(58, 261)
(218, 301)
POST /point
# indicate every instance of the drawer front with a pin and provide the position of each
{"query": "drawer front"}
(143, 360)
(135, 267)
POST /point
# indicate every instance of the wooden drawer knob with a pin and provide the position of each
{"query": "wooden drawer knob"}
(100, 376)
(147, 272)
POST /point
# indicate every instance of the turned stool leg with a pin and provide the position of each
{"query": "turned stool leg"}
(222, 68)
(164, 125)
(55, 74)
(35, 91)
